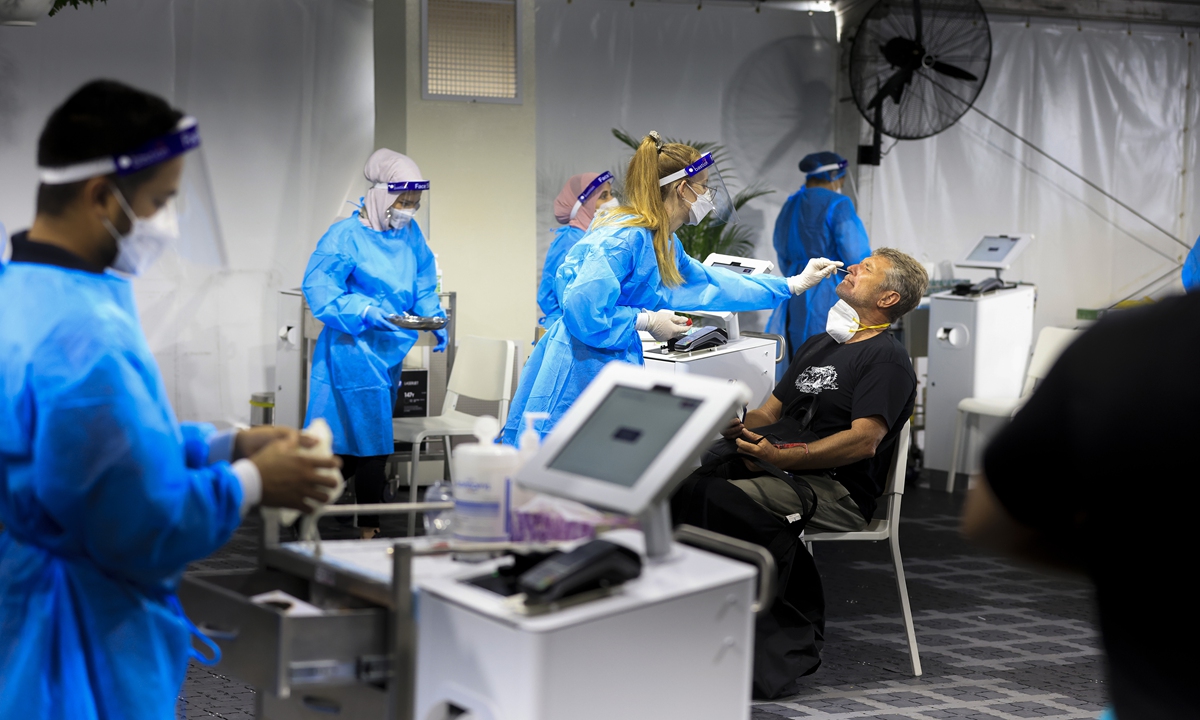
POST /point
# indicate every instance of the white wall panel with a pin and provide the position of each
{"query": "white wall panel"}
(283, 91)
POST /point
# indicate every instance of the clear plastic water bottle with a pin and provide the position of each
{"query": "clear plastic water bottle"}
(439, 523)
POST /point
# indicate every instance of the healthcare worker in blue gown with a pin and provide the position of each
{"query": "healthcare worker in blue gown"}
(372, 265)
(816, 221)
(581, 198)
(104, 496)
(1191, 269)
(630, 273)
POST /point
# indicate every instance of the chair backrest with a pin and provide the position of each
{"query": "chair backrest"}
(1050, 345)
(483, 369)
(899, 465)
(893, 490)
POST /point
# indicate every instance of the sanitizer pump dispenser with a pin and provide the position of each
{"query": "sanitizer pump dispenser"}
(483, 473)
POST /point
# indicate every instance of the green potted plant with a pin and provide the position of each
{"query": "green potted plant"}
(707, 237)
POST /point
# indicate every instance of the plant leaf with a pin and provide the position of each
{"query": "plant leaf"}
(60, 5)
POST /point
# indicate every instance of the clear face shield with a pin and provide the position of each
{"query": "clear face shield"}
(410, 205)
(187, 226)
(703, 185)
(593, 188)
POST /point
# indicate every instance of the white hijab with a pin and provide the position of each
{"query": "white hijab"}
(385, 166)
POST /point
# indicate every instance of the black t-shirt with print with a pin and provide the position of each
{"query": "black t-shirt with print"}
(852, 381)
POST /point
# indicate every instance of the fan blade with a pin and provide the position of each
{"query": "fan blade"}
(917, 20)
(954, 72)
(894, 88)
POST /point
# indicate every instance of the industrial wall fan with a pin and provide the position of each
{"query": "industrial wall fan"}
(916, 66)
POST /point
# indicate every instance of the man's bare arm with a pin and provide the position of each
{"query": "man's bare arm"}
(842, 448)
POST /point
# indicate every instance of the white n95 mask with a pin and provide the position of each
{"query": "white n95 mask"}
(611, 204)
(701, 208)
(400, 218)
(843, 322)
(147, 238)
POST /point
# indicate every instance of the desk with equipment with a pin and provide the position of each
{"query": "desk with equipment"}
(632, 625)
(980, 337)
(719, 348)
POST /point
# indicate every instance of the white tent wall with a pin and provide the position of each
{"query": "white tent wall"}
(283, 92)
(1116, 103)
(761, 83)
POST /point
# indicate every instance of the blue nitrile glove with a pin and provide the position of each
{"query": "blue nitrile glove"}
(441, 338)
(377, 319)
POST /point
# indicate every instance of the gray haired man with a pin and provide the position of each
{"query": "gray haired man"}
(855, 386)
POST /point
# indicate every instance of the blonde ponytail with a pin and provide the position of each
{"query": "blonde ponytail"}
(644, 199)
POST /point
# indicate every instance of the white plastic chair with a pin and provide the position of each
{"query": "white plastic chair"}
(886, 528)
(483, 369)
(1050, 344)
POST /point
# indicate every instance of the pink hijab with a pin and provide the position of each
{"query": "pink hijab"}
(567, 197)
(386, 166)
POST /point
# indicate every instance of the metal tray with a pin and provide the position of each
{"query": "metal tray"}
(416, 322)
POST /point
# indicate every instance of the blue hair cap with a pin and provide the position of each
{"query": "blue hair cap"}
(820, 161)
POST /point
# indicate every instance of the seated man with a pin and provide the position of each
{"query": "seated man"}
(844, 399)
(863, 386)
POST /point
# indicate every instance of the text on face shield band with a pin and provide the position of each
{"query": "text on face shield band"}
(705, 161)
(185, 137)
(407, 186)
(592, 187)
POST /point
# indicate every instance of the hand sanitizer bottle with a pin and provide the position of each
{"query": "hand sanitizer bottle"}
(483, 473)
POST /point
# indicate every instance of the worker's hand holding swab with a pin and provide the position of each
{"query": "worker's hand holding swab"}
(289, 479)
(817, 270)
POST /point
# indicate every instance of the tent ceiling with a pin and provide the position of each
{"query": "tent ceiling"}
(1159, 12)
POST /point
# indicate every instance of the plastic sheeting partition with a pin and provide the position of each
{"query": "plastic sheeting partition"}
(1115, 103)
(284, 94)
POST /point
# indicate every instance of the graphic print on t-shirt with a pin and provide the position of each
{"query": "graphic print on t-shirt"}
(815, 379)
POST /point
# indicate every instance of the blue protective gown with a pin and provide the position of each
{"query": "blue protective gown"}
(356, 370)
(814, 222)
(607, 278)
(1191, 269)
(564, 239)
(105, 499)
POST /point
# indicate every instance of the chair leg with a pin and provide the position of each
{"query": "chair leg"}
(393, 475)
(902, 588)
(960, 430)
(414, 462)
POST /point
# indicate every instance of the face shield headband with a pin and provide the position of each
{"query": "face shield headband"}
(836, 170)
(184, 138)
(395, 188)
(724, 210)
(590, 190)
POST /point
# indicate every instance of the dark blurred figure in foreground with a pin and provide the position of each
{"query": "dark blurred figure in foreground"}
(1097, 475)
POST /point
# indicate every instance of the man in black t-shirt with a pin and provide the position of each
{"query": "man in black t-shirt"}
(1083, 478)
(860, 383)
